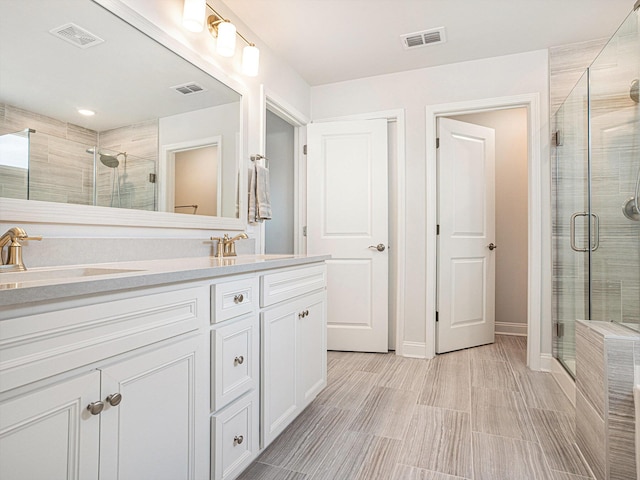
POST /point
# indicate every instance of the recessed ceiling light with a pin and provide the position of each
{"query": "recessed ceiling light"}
(85, 112)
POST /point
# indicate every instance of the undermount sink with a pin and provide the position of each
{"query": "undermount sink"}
(37, 275)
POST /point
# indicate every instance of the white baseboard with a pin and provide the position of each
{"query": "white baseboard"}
(564, 380)
(506, 328)
(414, 349)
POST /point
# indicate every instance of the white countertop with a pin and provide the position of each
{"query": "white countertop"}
(51, 283)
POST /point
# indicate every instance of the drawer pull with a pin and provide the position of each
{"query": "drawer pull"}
(114, 399)
(237, 440)
(238, 298)
(95, 407)
(238, 361)
(303, 314)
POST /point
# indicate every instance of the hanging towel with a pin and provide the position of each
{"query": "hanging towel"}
(259, 198)
(263, 197)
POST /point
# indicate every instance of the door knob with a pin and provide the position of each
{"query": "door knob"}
(492, 246)
(380, 247)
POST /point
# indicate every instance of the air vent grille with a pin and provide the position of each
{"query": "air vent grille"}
(189, 88)
(424, 38)
(76, 35)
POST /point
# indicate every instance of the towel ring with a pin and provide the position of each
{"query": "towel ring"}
(258, 157)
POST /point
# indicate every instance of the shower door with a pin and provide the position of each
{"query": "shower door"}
(571, 221)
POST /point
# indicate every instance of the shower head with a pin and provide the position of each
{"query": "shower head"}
(109, 160)
(634, 93)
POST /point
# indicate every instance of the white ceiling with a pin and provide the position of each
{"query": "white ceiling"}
(334, 40)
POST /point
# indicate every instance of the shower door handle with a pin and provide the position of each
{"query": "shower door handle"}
(572, 231)
(596, 232)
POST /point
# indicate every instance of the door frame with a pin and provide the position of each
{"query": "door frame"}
(397, 244)
(275, 104)
(537, 263)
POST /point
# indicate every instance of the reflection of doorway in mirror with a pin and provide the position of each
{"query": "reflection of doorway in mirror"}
(196, 181)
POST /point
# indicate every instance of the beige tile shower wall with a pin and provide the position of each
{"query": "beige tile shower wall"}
(60, 169)
(140, 142)
(567, 63)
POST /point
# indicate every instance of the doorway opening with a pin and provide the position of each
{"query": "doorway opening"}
(499, 283)
(538, 209)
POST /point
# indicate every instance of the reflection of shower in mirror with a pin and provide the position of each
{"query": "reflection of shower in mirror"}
(111, 161)
(631, 208)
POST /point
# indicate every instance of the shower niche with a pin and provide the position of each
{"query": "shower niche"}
(595, 189)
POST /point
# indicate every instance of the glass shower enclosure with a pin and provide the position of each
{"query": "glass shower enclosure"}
(595, 190)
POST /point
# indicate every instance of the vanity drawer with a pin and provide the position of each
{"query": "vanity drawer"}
(232, 299)
(38, 346)
(234, 437)
(281, 286)
(235, 355)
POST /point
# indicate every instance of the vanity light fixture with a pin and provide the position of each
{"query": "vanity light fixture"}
(193, 15)
(225, 33)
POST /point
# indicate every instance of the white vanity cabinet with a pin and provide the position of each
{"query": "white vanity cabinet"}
(235, 375)
(122, 391)
(294, 344)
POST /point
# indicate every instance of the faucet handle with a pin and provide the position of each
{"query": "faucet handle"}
(37, 237)
(219, 244)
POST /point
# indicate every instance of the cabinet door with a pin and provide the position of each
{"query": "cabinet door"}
(160, 428)
(311, 348)
(278, 382)
(50, 433)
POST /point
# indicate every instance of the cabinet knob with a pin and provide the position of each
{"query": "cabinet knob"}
(238, 298)
(95, 407)
(237, 440)
(114, 399)
(303, 314)
(306, 313)
(238, 361)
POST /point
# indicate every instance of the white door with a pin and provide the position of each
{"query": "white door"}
(347, 208)
(466, 254)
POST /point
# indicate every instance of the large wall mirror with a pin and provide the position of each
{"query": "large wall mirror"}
(165, 136)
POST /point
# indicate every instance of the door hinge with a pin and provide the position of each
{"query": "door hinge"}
(437, 229)
(559, 329)
(437, 143)
(556, 139)
(152, 178)
(304, 150)
(304, 231)
(437, 315)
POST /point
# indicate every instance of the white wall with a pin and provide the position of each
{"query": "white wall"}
(413, 91)
(510, 126)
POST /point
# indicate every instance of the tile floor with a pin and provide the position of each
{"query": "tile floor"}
(472, 414)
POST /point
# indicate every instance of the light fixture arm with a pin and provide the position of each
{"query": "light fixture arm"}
(216, 19)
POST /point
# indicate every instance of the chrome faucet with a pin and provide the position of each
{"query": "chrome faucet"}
(13, 260)
(226, 245)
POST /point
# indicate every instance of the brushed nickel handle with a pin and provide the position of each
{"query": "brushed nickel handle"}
(238, 298)
(237, 440)
(114, 399)
(95, 407)
(380, 247)
(239, 360)
(306, 313)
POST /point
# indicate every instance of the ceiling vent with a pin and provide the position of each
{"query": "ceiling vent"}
(76, 35)
(424, 38)
(189, 88)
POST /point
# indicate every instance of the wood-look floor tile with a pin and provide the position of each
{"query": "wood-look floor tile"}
(360, 457)
(385, 413)
(261, 471)
(406, 472)
(439, 440)
(500, 458)
(492, 374)
(302, 446)
(499, 412)
(347, 390)
(447, 383)
(540, 390)
(491, 351)
(556, 475)
(404, 374)
(556, 433)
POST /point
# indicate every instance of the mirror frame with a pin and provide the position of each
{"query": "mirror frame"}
(16, 211)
